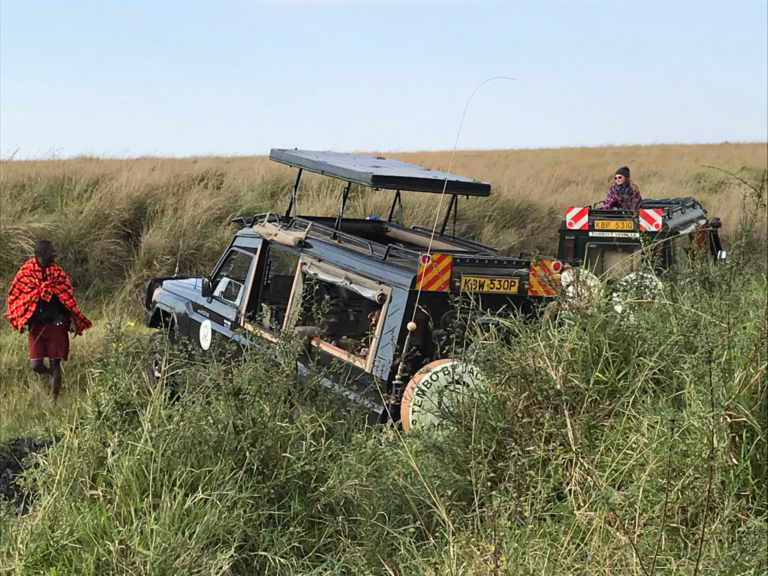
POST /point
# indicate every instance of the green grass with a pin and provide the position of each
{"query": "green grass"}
(604, 445)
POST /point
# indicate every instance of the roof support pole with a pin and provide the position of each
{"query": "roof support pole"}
(344, 196)
(292, 203)
(395, 201)
(448, 213)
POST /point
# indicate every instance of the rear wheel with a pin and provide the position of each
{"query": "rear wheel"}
(578, 288)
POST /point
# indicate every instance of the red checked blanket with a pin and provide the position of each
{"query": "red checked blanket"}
(28, 287)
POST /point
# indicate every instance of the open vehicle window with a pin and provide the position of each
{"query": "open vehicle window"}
(276, 286)
(231, 278)
(345, 311)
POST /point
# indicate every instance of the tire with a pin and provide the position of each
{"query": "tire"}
(436, 390)
(578, 288)
(158, 362)
(634, 289)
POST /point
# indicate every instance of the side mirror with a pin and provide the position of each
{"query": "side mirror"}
(207, 289)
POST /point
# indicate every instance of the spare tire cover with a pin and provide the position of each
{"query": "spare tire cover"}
(436, 389)
(578, 287)
(633, 287)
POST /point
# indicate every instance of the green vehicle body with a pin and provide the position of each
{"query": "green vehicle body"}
(614, 243)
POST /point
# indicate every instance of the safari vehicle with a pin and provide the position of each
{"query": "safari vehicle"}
(373, 301)
(632, 248)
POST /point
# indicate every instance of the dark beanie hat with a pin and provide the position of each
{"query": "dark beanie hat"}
(623, 171)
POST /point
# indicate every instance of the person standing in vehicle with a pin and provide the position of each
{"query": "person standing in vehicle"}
(41, 298)
(623, 193)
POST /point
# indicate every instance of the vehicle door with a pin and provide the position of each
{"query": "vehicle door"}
(218, 316)
(266, 311)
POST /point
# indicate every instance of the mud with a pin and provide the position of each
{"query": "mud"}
(12, 464)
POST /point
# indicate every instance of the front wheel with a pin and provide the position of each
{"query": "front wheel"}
(158, 363)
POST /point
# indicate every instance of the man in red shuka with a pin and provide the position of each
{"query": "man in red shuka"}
(41, 298)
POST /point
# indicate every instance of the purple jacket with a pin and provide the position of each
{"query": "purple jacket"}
(624, 197)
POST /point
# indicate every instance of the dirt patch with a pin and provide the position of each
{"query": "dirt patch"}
(13, 463)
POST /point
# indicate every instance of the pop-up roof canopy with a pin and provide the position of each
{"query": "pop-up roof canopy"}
(378, 172)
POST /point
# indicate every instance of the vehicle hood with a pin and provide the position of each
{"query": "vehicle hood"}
(189, 288)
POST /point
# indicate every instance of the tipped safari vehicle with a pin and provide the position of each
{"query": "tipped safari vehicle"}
(630, 250)
(374, 303)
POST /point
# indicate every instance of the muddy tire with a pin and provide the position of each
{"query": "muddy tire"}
(158, 363)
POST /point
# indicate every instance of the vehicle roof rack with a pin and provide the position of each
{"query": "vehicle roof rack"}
(670, 206)
(378, 173)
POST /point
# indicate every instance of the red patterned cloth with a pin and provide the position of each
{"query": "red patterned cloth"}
(28, 287)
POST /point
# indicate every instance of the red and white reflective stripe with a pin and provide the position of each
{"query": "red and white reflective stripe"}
(577, 217)
(650, 219)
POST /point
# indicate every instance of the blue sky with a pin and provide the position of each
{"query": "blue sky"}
(125, 78)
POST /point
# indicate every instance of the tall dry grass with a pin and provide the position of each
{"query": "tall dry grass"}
(116, 222)
(601, 446)
(547, 181)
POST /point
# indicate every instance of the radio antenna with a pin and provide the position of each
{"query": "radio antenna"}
(411, 326)
(450, 165)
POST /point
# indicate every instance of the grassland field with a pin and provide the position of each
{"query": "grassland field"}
(601, 448)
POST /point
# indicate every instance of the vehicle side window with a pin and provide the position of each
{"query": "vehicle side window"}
(347, 323)
(277, 283)
(678, 250)
(230, 280)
